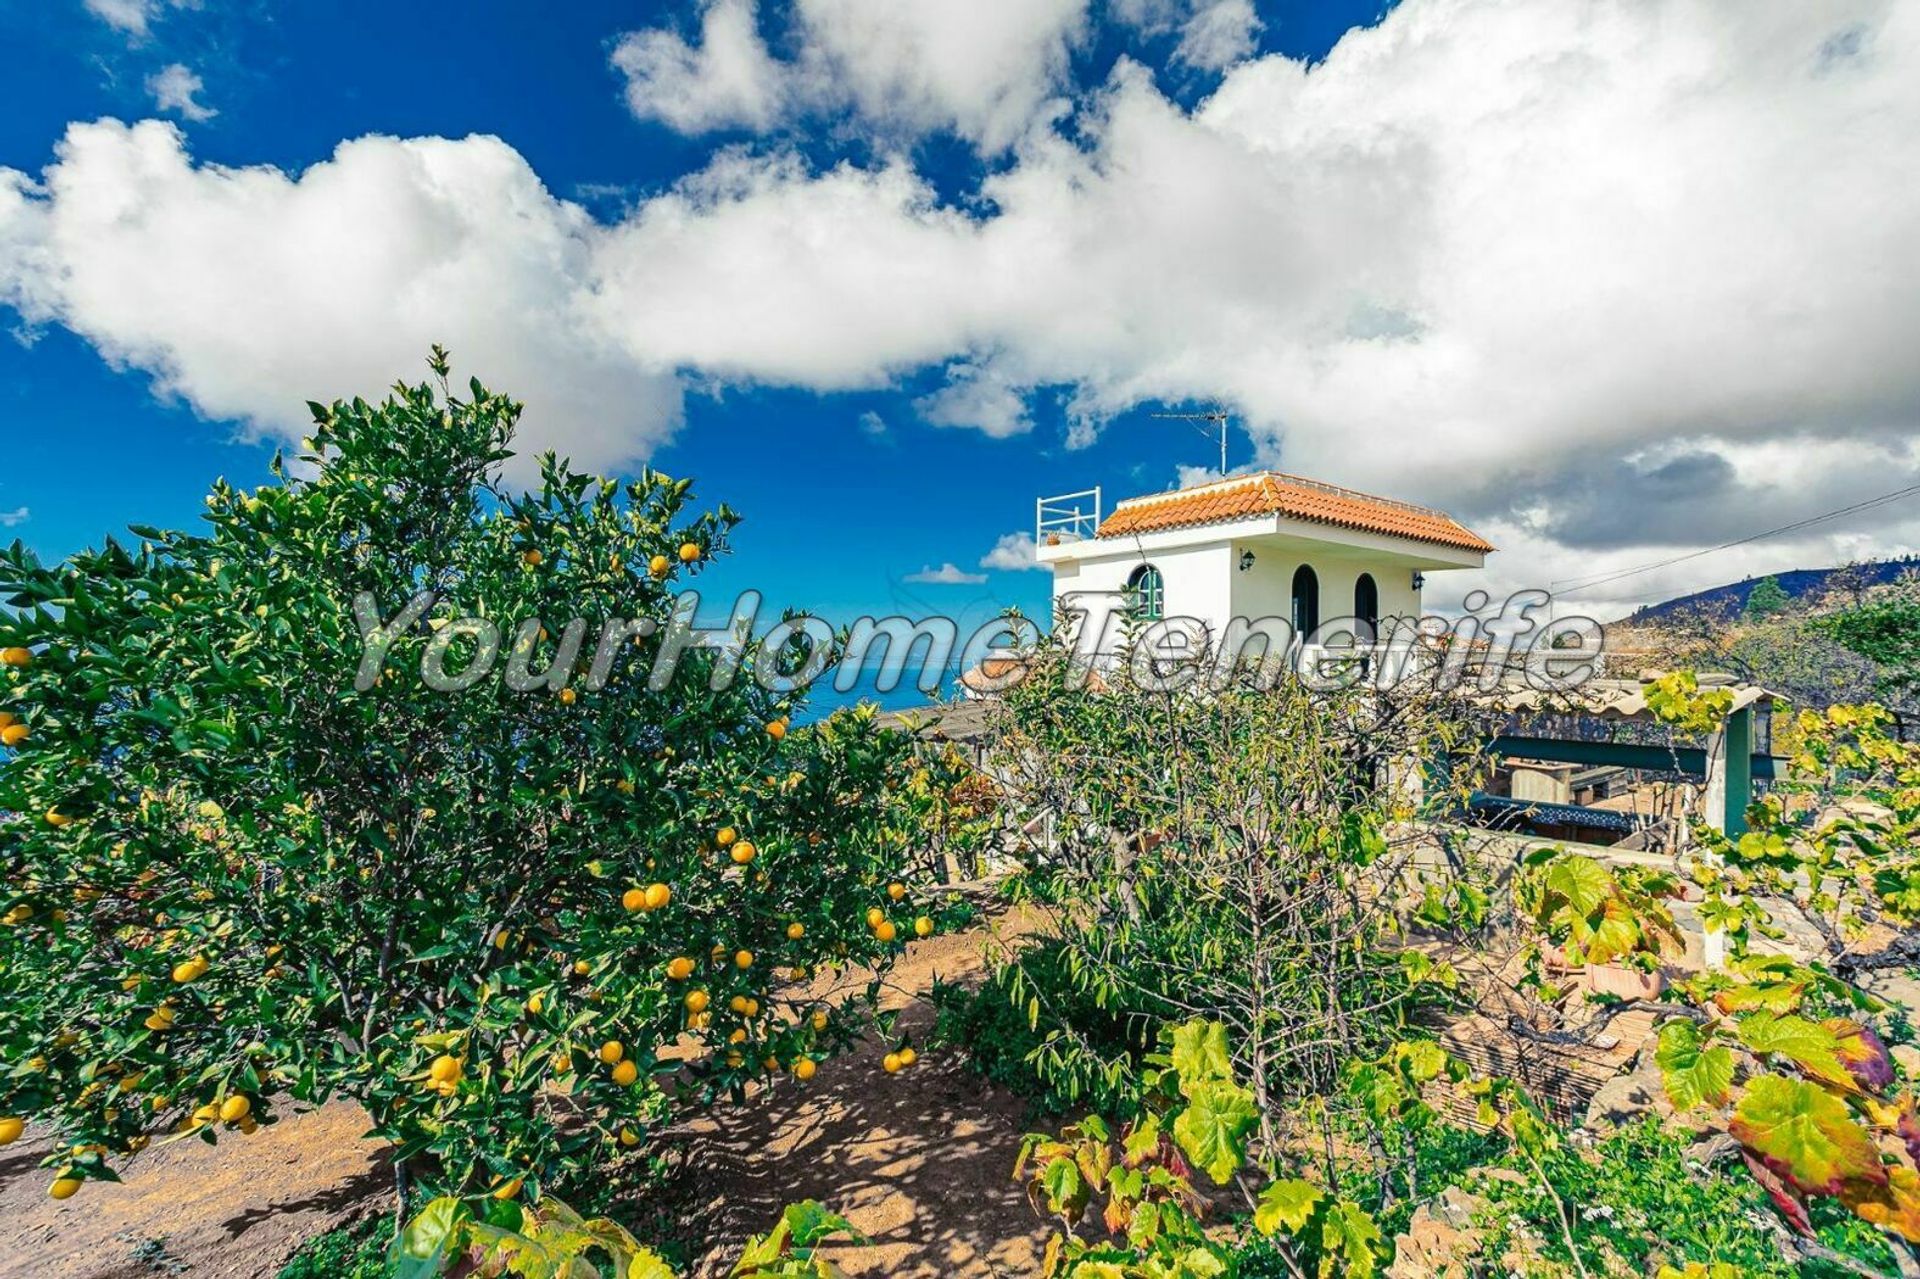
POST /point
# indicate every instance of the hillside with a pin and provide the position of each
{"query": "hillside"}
(1799, 584)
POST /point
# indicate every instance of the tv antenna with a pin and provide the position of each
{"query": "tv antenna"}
(1211, 415)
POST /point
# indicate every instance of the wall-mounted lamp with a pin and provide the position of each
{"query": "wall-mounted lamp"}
(1246, 560)
(1419, 579)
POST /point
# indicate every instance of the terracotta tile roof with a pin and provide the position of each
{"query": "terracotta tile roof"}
(1273, 493)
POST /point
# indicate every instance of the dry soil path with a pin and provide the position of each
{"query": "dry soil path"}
(918, 1161)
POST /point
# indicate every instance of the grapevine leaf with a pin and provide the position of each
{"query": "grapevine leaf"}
(1066, 1192)
(1212, 1130)
(1862, 1053)
(1285, 1205)
(1693, 1075)
(1346, 1231)
(1808, 1045)
(1805, 1134)
(1200, 1054)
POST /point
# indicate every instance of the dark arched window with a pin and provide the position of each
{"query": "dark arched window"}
(1366, 608)
(1145, 593)
(1306, 602)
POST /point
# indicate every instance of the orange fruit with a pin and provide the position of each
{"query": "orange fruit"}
(13, 734)
(923, 927)
(64, 1187)
(696, 1001)
(896, 890)
(57, 819)
(689, 552)
(819, 1021)
(625, 1073)
(658, 895)
(16, 657)
(532, 559)
(634, 899)
(445, 1070)
(875, 917)
(908, 1056)
(679, 968)
(804, 1068)
(659, 566)
(612, 1051)
(743, 958)
(10, 1129)
(628, 1137)
(886, 931)
(891, 1063)
(726, 836)
(234, 1109)
(742, 853)
(738, 1003)
(535, 1004)
(795, 931)
(777, 729)
(568, 697)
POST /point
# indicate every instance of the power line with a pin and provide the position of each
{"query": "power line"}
(1869, 504)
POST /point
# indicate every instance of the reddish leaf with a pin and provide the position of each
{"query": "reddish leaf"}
(1784, 1196)
(1862, 1053)
(1805, 1134)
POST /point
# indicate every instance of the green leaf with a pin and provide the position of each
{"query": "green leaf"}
(1066, 1192)
(1580, 881)
(1693, 1075)
(1804, 1133)
(646, 1264)
(1212, 1130)
(1807, 1044)
(425, 1243)
(1200, 1054)
(1286, 1205)
(1347, 1231)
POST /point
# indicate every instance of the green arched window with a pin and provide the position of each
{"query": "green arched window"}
(1146, 593)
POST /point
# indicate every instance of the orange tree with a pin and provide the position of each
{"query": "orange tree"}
(517, 926)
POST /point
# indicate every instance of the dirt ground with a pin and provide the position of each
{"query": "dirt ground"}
(918, 1161)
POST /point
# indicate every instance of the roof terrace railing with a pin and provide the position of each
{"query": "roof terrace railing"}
(1069, 517)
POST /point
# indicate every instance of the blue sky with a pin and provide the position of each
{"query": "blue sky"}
(878, 292)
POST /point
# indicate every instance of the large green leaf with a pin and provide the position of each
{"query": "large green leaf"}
(1350, 1242)
(1200, 1054)
(1580, 881)
(1212, 1130)
(1694, 1075)
(1807, 1044)
(1286, 1205)
(1805, 1133)
(426, 1242)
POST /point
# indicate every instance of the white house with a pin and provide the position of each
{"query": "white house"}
(1259, 546)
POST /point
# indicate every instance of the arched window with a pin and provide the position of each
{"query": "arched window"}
(1366, 608)
(1306, 602)
(1145, 593)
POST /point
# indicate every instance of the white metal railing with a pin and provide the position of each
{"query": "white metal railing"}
(1066, 518)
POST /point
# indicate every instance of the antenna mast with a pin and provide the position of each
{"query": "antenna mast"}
(1219, 415)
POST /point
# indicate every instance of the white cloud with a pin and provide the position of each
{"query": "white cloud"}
(948, 574)
(176, 88)
(727, 80)
(245, 291)
(1565, 268)
(985, 69)
(1218, 34)
(130, 16)
(978, 396)
(1012, 551)
(18, 515)
(873, 425)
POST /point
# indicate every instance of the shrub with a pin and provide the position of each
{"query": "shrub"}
(236, 874)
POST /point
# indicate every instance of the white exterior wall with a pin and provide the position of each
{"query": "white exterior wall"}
(1197, 579)
(1266, 589)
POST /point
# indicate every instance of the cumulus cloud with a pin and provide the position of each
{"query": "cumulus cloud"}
(245, 291)
(984, 69)
(18, 515)
(177, 89)
(1012, 551)
(130, 16)
(1214, 34)
(726, 80)
(1599, 278)
(948, 574)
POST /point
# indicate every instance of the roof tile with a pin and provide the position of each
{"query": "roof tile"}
(1291, 496)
